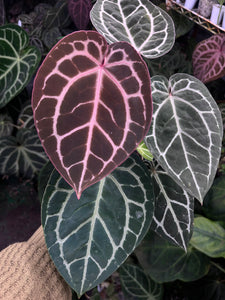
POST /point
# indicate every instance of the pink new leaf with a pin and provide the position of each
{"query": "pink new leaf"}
(209, 58)
(92, 106)
(79, 11)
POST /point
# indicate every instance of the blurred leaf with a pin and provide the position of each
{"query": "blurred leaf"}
(208, 237)
(58, 16)
(137, 285)
(2, 13)
(165, 262)
(6, 125)
(25, 118)
(51, 36)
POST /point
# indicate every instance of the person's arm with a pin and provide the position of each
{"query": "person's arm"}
(28, 273)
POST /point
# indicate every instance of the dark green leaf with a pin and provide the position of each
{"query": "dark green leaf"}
(58, 16)
(6, 125)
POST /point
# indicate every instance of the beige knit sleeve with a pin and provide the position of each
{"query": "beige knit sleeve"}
(28, 273)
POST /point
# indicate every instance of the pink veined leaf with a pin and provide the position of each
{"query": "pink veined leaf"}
(92, 106)
(79, 11)
(209, 58)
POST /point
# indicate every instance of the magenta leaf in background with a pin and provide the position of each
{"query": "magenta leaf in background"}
(209, 58)
(79, 11)
(92, 106)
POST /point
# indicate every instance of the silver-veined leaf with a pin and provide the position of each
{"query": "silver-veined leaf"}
(18, 61)
(25, 118)
(6, 125)
(137, 285)
(21, 155)
(90, 238)
(148, 28)
(186, 132)
(174, 209)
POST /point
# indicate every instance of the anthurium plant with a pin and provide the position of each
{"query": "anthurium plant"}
(94, 104)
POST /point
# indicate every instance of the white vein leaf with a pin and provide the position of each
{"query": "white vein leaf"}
(149, 29)
(90, 238)
(186, 132)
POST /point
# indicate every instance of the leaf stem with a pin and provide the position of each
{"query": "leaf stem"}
(217, 266)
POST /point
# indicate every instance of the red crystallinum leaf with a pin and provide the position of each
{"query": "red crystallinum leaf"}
(79, 11)
(209, 58)
(92, 106)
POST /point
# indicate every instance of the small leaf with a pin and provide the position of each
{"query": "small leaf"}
(25, 119)
(165, 262)
(79, 11)
(208, 237)
(90, 238)
(57, 16)
(174, 209)
(51, 36)
(148, 28)
(6, 125)
(144, 152)
(18, 61)
(186, 133)
(137, 285)
(209, 58)
(92, 106)
(214, 201)
(21, 155)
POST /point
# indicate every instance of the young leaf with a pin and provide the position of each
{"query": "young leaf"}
(144, 152)
(79, 11)
(208, 237)
(165, 262)
(209, 58)
(137, 285)
(18, 61)
(6, 125)
(92, 106)
(148, 28)
(21, 155)
(90, 238)
(186, 132)
(174, 209)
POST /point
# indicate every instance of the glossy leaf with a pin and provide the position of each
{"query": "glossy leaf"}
(79, 11)
(137, 285)
(165, 262)
(6, 125)
(92, 106)
(21, 155)
(214, 202)
(144, 152)
(90, 238)
(18, 61)
(186, 132)
(208, 237)
(148, 28)
(174, 209)
(209, 58)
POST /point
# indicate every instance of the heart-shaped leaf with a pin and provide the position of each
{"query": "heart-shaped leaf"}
(165, 262)
(208, 237)
(148, 28)
(174, 209)
(186, 132)
(92, 106)
(21, 155)
(90, 238)
(79, 11)
(137, 285)
(18, 61)
(209, 58)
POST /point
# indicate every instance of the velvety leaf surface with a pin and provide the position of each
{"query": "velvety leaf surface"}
(6, 125)
(174, 209)
(144, 152)
(208, 237)
(186, 132)
(209, 58)
(214, 202)
(90, 238)
(165, 262)
(21, 155)
(92, 106)
(79, 11)
(18, 61)
(148, 28)
(137, 285)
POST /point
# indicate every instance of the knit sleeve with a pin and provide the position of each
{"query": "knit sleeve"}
(28, 273)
